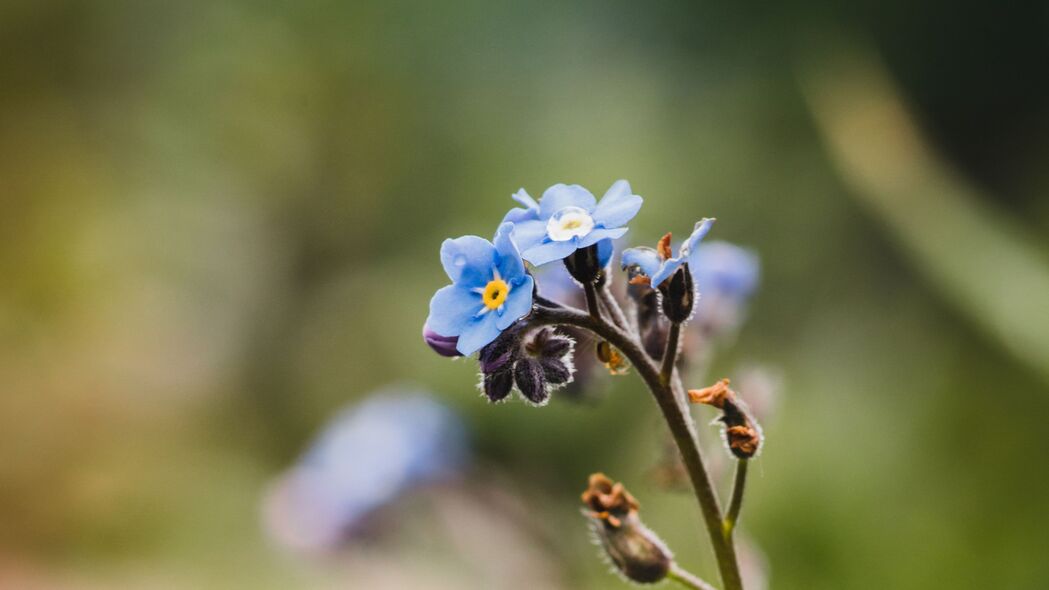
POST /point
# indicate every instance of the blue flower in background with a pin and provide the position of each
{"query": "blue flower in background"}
(490, 290)
(365, 458)
(724, 269)
(568, 218)
(660, 265)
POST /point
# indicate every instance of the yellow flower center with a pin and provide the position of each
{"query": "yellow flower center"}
(495, 293)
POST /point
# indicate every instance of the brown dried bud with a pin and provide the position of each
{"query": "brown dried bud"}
(663, 247)
(638, 553)
(742, 432)
(713, 395)
(612, 359)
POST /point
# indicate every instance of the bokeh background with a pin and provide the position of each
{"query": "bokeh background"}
(221, 222)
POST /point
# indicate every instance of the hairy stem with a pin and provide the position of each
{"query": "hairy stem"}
(687, 578)
(670, 353)
(736, 504)
(614, 310)
(591, 300)
(670, 398)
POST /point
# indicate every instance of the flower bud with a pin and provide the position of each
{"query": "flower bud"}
(584, 265)
(742, 432)
(498, 385)
(442, 345)
(528, 374)
(637, 553)
(679, 295)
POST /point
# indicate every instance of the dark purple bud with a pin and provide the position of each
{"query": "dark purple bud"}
(498, 385)
(494, 357)
(556, 346)
(442, 345)
(555, 371)
(528, 374)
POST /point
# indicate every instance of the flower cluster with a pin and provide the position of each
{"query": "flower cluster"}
(525, 338)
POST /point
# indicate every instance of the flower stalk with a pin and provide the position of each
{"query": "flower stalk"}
(670, 399)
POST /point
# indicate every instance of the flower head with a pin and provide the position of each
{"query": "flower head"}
(535, 362)
(568, 218)
(659, 265)
(490, 290)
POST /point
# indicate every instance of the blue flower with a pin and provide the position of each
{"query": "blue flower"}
(568, 218)
(726, 269)
(659, 265)
(490, 290)
(367, 457)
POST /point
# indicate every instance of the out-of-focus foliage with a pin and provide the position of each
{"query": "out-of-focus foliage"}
(221, 224)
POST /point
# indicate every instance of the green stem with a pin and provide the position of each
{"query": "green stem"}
(687, 578)
(670, 398)
(736, 504)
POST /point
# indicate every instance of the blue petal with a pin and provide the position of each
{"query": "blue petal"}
(702, 228)
(597, 235)
(518, 304)
(560, 196)
(618, 206)
(528, 234)
(549, 252)
(510, 264)
(666, 269)
(478, 332)
(605, 250)
(522, 197)
(468, 260)
(644, 258)
(518, 215)
(451, 310)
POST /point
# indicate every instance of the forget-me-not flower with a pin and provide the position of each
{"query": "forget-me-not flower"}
(490, 290)
(659, 265)
(568, 218)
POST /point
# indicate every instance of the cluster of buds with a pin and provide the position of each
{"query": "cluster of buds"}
(742, 433)
(535, 362)
(635, 551)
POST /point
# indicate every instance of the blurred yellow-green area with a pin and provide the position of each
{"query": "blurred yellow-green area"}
(221, 224)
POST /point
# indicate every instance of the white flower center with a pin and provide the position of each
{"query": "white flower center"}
(568, 223)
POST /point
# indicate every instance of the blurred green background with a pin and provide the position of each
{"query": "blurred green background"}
(221, 223)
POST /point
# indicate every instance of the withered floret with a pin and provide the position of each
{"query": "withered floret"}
(742, 433)
(638, 553)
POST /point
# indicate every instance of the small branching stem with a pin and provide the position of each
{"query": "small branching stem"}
(666, 371)
(736, 504)
(687, 578)
(670, 398)
(591, 300)
(614, 310)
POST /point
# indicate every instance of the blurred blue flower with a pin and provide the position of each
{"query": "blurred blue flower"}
(727, 276)
(490, 290)
(364, 458)
(660, 266)
(726, 269)
(568, 218)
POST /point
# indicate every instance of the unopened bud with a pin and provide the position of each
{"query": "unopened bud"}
(679, 295)
(442, 345)
(637, 553)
